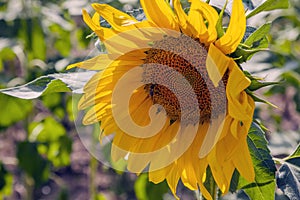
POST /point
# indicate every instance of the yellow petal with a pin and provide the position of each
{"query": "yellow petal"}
(216, 64)
(137, 163)
(235, 127)
(119, 20)
(96, 63)
(91, 117)
(88, 20)
(103, 33)
(217, 170)
(117, 153)
(204, 192)
(188, 176)
(236, 29)
(182, 16)
(201, 177)
(243, 162)
(228, 169)
(211, 15)
(160, 13)
(173, 178)
(236, 96)
(212, 136)
(196, 22)
(159, 175)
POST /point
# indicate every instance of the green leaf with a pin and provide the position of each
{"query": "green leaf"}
(38, 40)
(32, 34)
(288, 180)
(63, 82)
(296, 153)
(210, 183)
(263, 187)
(47, 131)
(255, 40)
(292, 78)
(234, 181)
(6, 182)
(243, 54)
(269, 5)
(294, 158)
(258, 35)
(52, 141)
(13, 110)
(249, 30)
(62, 39)
(32, 162)
(255, 84)
(258, 99)
(145, 190)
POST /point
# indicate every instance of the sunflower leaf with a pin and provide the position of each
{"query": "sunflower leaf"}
(296, 153)
(258, 99)
(243, 55)
(294, 158)
(255, 84)
(258, 35)
(63, 82)
(254, 41)
(288, 180)
(269, 5)
(264, 185)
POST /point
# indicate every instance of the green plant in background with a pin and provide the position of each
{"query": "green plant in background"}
(38, 39)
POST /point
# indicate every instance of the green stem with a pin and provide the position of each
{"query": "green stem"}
(94, 165)
(93, 174)
(29, 185)
(213, 189)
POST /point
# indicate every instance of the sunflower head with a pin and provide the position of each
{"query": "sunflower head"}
(170, 94)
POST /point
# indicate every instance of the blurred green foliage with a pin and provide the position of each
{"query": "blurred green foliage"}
(39, 37)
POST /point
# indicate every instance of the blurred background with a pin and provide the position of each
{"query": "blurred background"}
(41, 155)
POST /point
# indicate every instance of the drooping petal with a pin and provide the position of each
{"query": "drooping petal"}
(216, 64)
(237, 83)
(236, 29)
(188, 176)
(212, 136)
(217, 170)
(243, 162)
(173, 178)
(160, 175)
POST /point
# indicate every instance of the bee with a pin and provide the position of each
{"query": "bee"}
(152, 86)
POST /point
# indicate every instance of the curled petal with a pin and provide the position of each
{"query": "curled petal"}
(236, 29)
(154, 10)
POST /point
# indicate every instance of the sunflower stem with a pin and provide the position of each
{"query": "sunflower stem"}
(213, 190)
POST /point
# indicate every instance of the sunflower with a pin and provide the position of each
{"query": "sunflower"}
(170, 94)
